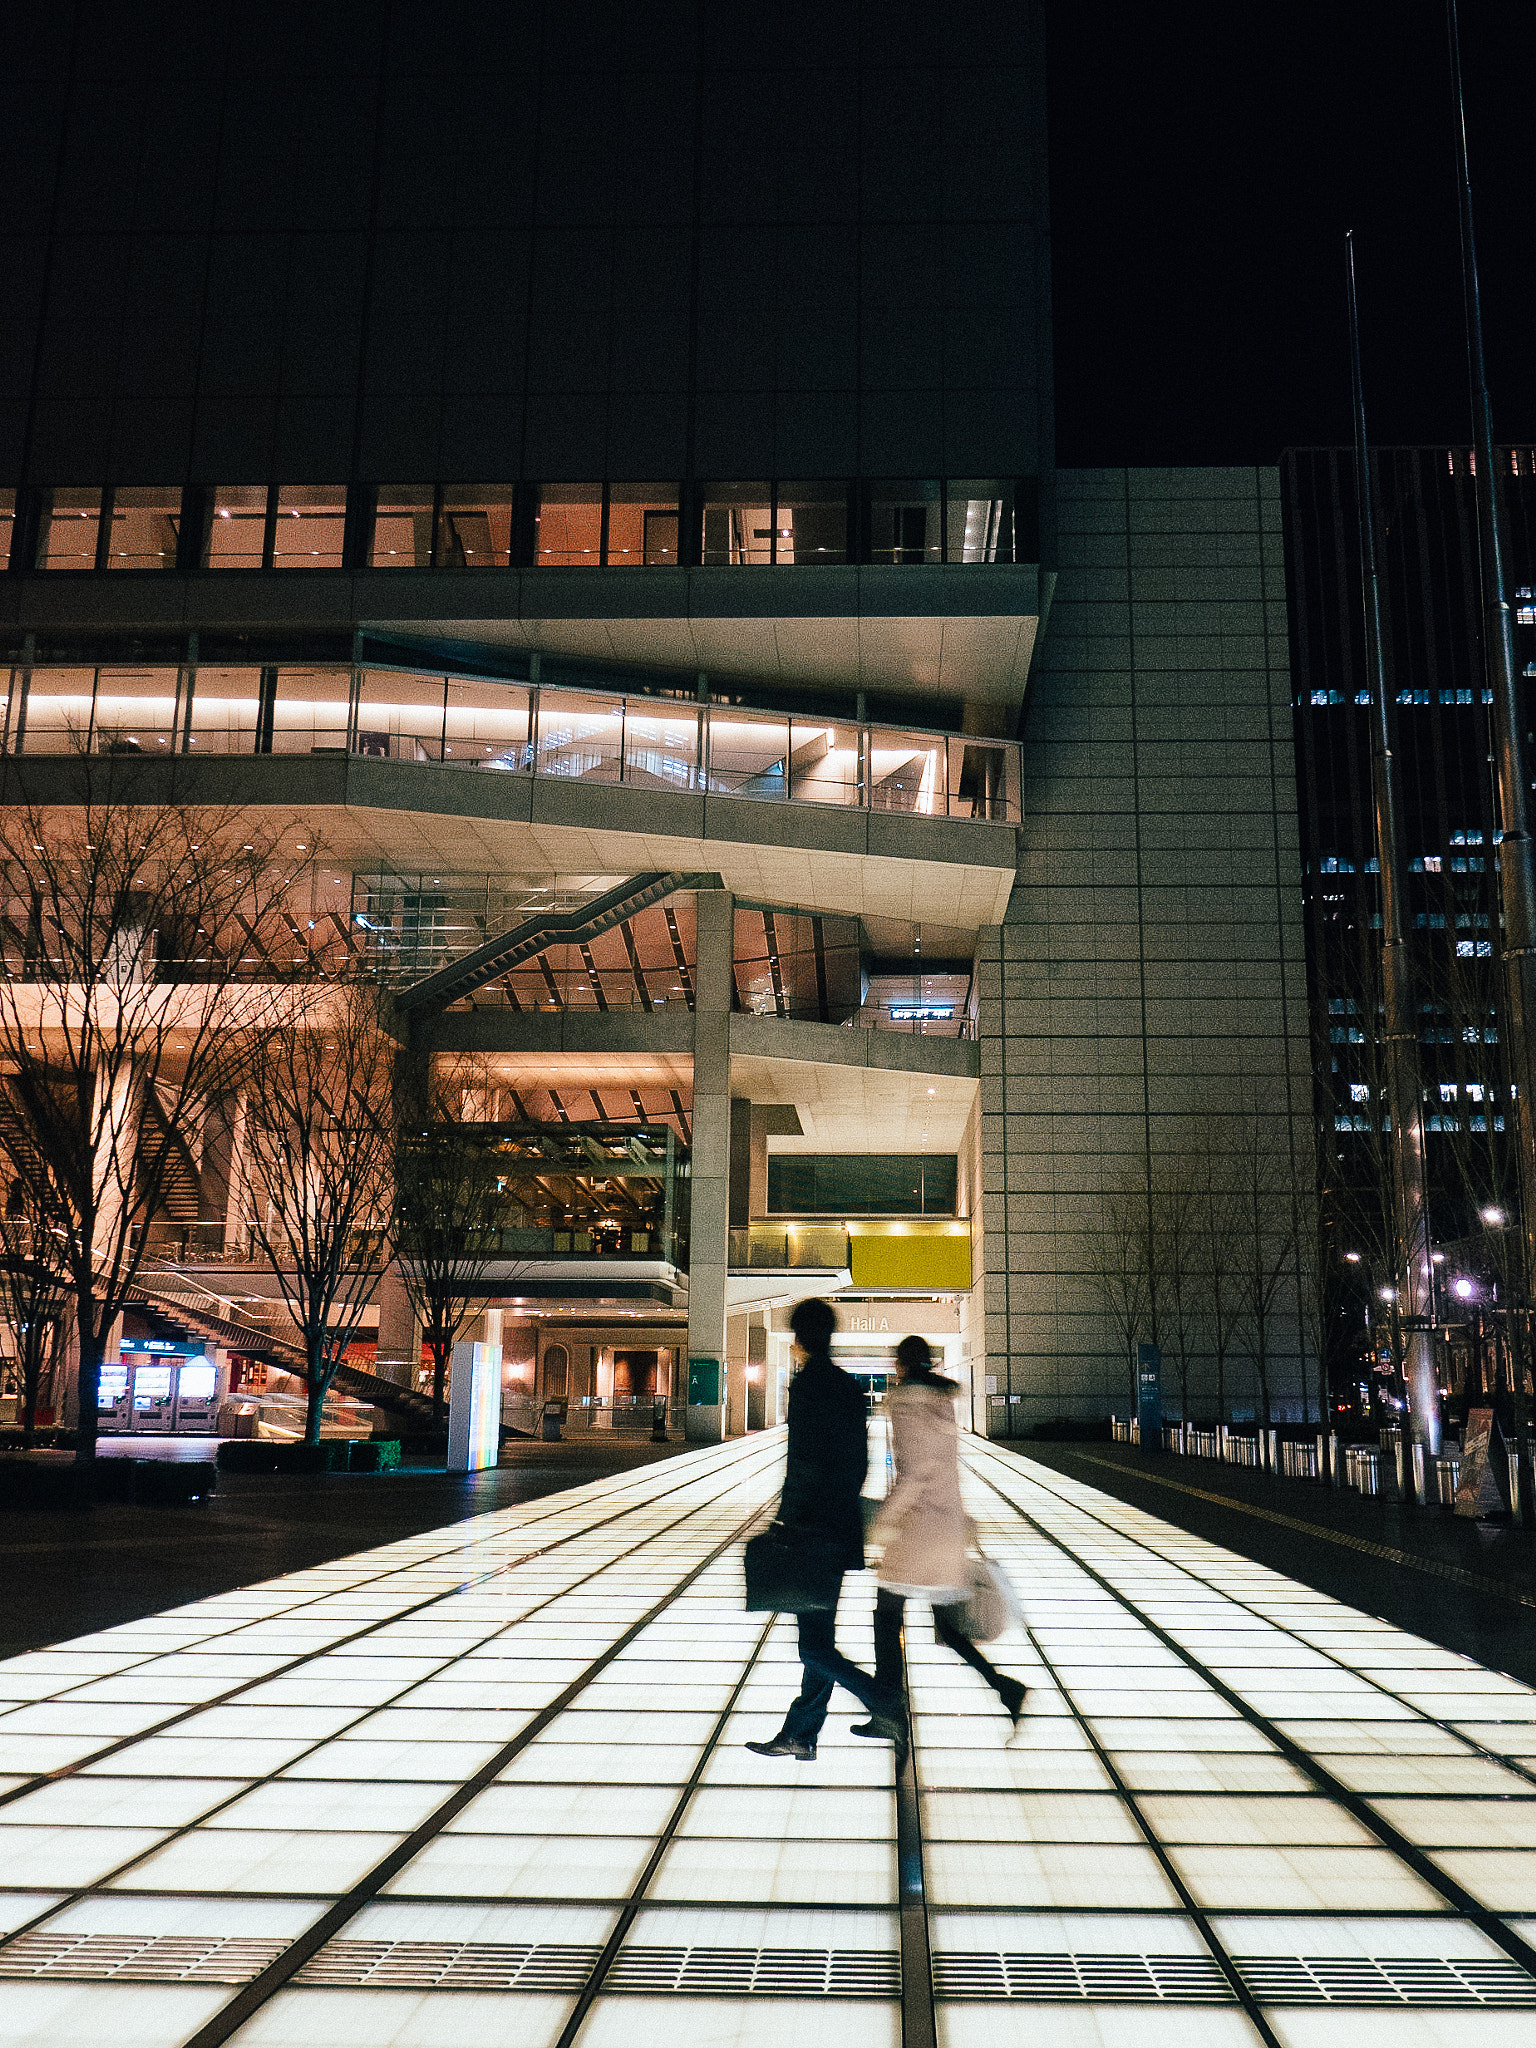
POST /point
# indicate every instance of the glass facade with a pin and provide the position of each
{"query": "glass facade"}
(578, 735)
(144, 530)
(68, 529)
(559, 525)
(235, 535)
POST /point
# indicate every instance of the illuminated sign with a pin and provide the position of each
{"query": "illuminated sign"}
(922, 1013)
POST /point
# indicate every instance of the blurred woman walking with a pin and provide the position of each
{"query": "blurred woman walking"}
(923, 1529)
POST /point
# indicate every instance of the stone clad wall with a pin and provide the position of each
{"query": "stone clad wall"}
(1149, 978)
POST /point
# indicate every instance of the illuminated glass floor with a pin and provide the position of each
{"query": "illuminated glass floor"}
(487, 1785)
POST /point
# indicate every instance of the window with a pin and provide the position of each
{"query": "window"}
(400, 717)
(580, 737)
(69, 525)
(474, 527)
(904, 526)
(823, 762)
(979, 523)
(737, 526)
(984, 780)
(485, 725)
(7, 526)
(569, 527)
(54, 715)
(907, 772)
(311, 526)
(225, 709)
(861, 1184)
(748, 753)
(661, 745)
(309, 711)
(402, 527)
(144, 529)
(236, 535)
(135, 711)
(811, 523)
(642, 526)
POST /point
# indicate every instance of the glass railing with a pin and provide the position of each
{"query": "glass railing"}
(585, 735)
(777, 1247)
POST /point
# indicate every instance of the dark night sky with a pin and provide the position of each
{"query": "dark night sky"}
(1206, 160)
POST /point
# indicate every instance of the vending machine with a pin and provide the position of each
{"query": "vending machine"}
(112, 1400)
(197, 1397)
(153, 1405)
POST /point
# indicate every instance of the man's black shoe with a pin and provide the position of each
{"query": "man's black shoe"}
(879, 1728)
(785, 1745)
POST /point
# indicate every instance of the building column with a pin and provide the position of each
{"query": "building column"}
(709, 1180)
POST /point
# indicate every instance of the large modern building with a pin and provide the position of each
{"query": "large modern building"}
(593, 474)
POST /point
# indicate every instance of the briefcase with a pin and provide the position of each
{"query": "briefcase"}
(792, 1571)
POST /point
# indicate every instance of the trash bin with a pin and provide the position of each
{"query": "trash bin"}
(1448, 1477)
(554, 1416)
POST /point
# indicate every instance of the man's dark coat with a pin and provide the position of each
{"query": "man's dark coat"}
(828, 1457)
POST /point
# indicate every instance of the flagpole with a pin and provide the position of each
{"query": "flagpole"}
(1414, 1273)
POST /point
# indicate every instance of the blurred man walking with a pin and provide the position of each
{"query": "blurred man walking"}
(828, 1458)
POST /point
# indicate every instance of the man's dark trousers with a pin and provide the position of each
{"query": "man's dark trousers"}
(826, 1667)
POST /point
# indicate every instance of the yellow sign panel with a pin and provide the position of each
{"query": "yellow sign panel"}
(898, 1260)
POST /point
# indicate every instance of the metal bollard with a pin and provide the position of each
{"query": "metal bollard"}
(1420, 1489)
(1335, 1460)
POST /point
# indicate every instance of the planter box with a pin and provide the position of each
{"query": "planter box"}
(331, 1454)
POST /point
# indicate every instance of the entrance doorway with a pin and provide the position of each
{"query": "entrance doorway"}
(634, 1374)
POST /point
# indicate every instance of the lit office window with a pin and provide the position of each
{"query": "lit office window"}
(979, 522)
(642, 526)
(906, 771)
(748, 753)
(474, 529)
(135, 711)
(226, 705)
(311, 526)
(68, 526)
(309, 711)
(7, 526)
(399, 717)
(144, 528)
(904, 525)
(569, 526)
(737, 526)
(485, 725)
(661, 745)
(580, 737)
(54, 715)
(402, 527)
(811, 521)
(823, 762)
(236, 535)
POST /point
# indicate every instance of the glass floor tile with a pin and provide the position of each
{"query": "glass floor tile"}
(491, 1756)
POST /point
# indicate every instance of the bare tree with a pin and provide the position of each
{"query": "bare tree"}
(36, 1297)
(318, 1167)
(449, 1208)
(1176, 1219)
(124, 1007)
(1264, 1224)
(1216, 1251)
(1117, 1260)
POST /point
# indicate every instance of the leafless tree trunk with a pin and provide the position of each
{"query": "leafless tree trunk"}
(120, 988)
(1175, 1225)
(1117, 1262)
(1264, 1223)
(36, 1282)
(1216, 1251)
(319, 1160)
(449, 1209)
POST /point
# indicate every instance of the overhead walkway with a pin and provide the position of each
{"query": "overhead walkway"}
(487, 1785)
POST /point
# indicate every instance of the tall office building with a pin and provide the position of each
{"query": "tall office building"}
(592, 471)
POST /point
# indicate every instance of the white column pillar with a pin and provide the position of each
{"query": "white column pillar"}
(709, 1195)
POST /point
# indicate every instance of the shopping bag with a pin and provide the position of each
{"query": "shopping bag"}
(792, 1571)
(991, 1606)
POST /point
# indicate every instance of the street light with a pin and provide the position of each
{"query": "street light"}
(1353, 1258)
(1465, 1289)
(1389, 1294)
(1493, 1215)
